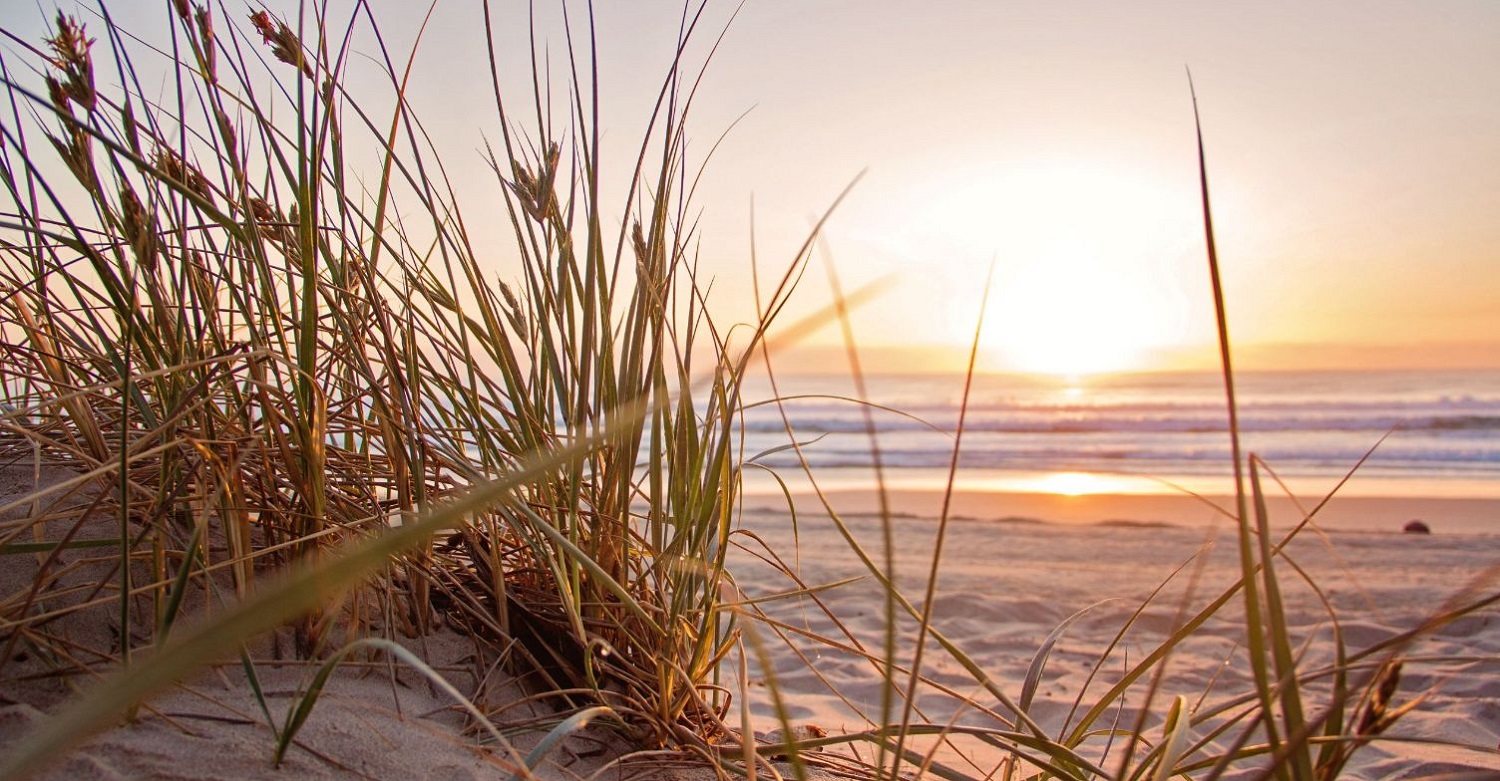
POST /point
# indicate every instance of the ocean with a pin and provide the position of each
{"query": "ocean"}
(1421, 434)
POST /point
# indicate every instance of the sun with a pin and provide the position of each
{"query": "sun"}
(1082, 286)
(1068, 312)
(1073, 484)
(1089, 265)
(1097, 265)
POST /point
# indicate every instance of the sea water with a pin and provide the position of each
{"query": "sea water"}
(1410, 433)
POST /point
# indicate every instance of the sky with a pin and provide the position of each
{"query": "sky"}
(1353, 153)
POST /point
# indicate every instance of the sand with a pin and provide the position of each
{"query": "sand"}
(376, 718)
(1004, 586)
(1342, 513)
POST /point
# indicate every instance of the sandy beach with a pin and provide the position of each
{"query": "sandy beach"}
(1006, 584)
(1343, 513)
(1007, 580)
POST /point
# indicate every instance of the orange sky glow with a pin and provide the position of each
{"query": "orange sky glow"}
(1353, 152)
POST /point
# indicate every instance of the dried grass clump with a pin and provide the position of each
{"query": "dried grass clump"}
(292, 393)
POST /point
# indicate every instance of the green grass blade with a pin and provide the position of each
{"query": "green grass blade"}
(1279, 634)
(1038, 666)
(556, 735)
(302, 707)
(256, 691)
(180, 584)
(1178, 728)
(47, 546)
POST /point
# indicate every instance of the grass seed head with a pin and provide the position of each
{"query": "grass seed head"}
(285, 45)
(638, 243)
(526, 190)
(70, 48)
(140, 228)
(174, 167)
(263, 212)
(226, 134)
(510, 298)
(59, 96)
(77, 152)
(205, 24)
(272, 225)
(1378, 714)
(206, 284)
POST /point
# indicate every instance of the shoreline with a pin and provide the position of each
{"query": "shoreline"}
(1444, 515)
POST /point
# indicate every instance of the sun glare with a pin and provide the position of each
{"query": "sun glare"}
(1085, 281)
(1067, 314)
(1073, 484)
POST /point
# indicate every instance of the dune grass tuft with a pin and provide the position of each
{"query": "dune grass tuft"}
(293, 393)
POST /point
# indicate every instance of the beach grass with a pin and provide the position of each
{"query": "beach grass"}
(298, 389)
(290, 399)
